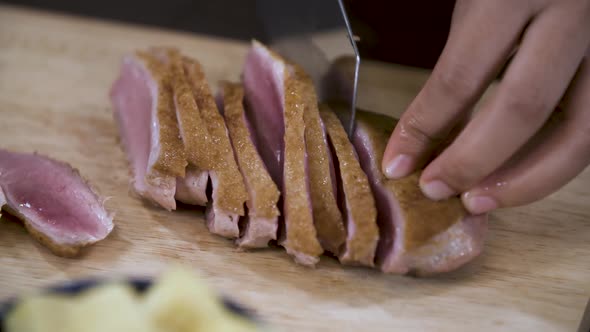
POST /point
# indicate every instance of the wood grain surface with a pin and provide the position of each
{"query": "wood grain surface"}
(55, 74)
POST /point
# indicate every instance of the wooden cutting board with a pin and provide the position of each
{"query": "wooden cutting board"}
(55, 74)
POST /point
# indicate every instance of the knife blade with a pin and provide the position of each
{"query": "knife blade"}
(315, 34)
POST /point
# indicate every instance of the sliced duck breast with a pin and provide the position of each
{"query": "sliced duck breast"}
(326, 215)
(262, 222)
(56, 205)
(228, 189)
(417, 235)
(275, 106)
(356, 198)
(143, 107)
(192, 188)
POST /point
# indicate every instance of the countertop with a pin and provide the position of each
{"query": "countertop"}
(55, 74)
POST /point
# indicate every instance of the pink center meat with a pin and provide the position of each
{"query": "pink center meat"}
(134, 96)
(263, 82)
(53, 199)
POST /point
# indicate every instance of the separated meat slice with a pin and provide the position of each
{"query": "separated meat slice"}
(356, 198)
(167, 154)
(326, 215)
(2, 200)
(191, 189)
(264, 78)
(143, 107)
(435, 237)
(229, 191)
(275, 107)
(262, 223)
(56, 205)
(417, 235)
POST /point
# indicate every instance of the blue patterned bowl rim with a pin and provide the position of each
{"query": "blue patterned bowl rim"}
(139, 285)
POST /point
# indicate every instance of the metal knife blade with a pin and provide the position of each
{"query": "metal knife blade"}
(314, 34)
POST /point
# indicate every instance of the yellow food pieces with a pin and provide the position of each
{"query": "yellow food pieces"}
(177, 302)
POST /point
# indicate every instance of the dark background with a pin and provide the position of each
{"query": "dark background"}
(405, 32)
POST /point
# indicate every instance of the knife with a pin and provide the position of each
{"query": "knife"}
(585, 323)
(315, 34)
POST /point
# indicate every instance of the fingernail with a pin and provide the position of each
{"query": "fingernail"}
(399, 167)
(479, 204)
(437, 190)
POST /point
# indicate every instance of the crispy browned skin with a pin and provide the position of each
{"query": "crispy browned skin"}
(379, 129)
(172, 158)
(326, 215)
(56, 248)
(266, 193)
(300, 237)
(424, 218)
(361, 245)
(194, 130)
(232, 190)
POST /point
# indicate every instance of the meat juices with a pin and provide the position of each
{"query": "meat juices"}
(262, 223)
(229, 191)
(57, 207)
(417, 235)
(275, 108)
(355, 196)
(143, 107)
(326, 215)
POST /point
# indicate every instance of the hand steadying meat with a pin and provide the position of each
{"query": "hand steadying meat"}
(508, 153)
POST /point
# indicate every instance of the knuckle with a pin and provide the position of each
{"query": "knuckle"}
(414, 129)
(456, 81)
(460, 173)
(526, 106)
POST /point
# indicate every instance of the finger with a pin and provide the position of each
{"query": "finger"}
(481, 38)
(555, 159)
(534, 83)
(461, 123)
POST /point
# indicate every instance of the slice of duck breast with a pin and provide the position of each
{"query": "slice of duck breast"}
(262, 224)
(192, 188)
(2, 201)
(326, 215)
(143, 107)
(275, 107)
(355, 196)
(228, 189)
(417, 235)
(56, 205)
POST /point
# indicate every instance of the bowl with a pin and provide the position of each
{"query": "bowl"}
(139, 285)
